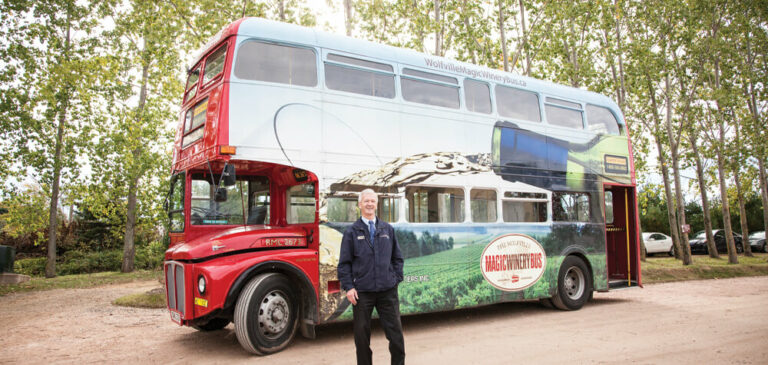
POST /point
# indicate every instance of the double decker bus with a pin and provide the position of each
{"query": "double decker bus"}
(499, 187)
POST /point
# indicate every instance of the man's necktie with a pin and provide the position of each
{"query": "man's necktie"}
(371, 229)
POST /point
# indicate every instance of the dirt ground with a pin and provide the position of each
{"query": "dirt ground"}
(695, 322)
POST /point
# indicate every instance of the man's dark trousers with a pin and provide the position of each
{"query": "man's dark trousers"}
(387, 305)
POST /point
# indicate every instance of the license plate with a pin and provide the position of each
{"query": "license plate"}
(176, 317)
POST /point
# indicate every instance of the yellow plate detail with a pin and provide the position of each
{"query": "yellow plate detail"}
(201, 302)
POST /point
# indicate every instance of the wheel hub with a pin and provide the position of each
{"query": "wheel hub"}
(574, 283)
(274, 314)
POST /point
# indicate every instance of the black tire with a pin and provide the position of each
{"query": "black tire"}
(266, 314)
(739, 248)
(574, 284)
(212, 325)
(546, 302)
(765, 247)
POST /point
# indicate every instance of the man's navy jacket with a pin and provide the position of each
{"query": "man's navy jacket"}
(366, 266)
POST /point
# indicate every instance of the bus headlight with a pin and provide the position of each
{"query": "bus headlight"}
(201, 284)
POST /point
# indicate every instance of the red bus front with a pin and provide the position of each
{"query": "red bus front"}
(243, 234)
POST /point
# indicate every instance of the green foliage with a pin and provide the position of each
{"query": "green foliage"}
(27, 215)
(148, 257)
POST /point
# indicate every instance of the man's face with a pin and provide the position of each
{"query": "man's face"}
(368, 205)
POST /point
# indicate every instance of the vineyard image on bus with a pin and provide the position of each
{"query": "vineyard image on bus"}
(499, 187)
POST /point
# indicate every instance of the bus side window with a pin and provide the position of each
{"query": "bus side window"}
(517, 104)
(301, 204)
(608, 207)
(570, 207)
(477, 96)
(428, 88)
(524, 207)
(483, 205)
(359, 76)
(602, 121)
(564, 113)
(428, 204)
(342, 208)
(279, 63)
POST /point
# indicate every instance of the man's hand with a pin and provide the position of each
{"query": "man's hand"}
(352, 296)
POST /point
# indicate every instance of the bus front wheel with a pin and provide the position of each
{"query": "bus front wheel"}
(574, 284)
(266, 314)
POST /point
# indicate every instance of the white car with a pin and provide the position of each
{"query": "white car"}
(656, 242)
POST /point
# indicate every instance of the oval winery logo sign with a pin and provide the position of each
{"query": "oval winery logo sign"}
(513, 262)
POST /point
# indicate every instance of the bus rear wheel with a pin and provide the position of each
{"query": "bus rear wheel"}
(574, 284)
(266, 314)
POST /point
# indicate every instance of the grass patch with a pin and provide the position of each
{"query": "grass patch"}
(152, 299)
(81, 281)
(667, 269)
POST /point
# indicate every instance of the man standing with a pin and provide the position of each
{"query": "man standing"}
(370, 267)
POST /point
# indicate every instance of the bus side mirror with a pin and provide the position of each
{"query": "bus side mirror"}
(220, 195)
(228, 175)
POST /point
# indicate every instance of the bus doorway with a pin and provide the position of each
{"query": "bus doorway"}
(621, 237)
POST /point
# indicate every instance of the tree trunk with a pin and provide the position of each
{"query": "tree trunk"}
(438, 30)
(763, 191)
(732, 258)
(348, 16)
(622, 90)
(704, 198)
(503, 37)
(129, 247)
(527, 71)
(742, 214)
(50, 265)
(668, 193)
(685, 247)
(281, 9)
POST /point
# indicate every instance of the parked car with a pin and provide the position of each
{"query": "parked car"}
(656, 242)
(699, 242)
(757, 241)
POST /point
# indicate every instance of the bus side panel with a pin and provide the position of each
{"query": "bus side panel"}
(443, 264)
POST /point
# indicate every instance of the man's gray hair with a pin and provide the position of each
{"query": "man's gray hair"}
(366, 191)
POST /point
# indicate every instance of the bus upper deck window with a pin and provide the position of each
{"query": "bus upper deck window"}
(359, 76)
(214, 64)
(428, 88)
(477, 96)
(191, 88)
(518, 104)
(602, 121)
(279, 63)
(564, 113)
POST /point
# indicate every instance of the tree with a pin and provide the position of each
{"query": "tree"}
(130, 156)
(52, 58)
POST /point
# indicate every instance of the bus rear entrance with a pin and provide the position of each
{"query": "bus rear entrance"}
(621, 235)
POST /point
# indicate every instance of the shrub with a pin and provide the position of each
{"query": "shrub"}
(34, 266)
(148, 256)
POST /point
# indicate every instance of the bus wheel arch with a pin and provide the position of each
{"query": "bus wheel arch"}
(305, 291)
(574, 283)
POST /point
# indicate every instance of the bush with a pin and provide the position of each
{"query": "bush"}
(34, 266)
(149, 256)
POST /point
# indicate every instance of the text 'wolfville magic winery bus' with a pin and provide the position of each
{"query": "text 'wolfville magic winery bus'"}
(499, 187)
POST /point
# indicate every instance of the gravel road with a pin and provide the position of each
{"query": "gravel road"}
(694, 322)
